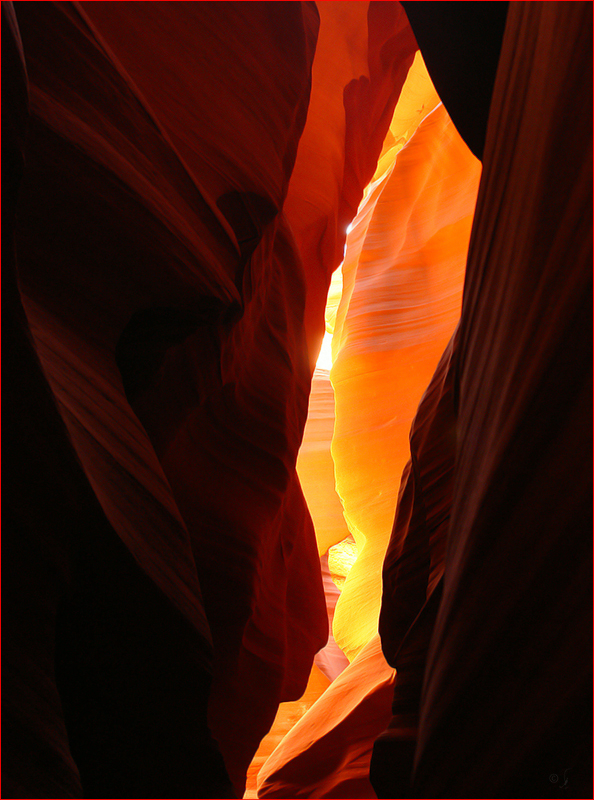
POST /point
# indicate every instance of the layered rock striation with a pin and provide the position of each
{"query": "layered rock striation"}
(190, 173)
(179, 181)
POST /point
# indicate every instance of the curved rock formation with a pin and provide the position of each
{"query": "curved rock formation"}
(315, 465)
(402, 275)
(166, 228)
(187, 174)
(494, 669)
(157, 366)
(403, 248)
(327, 753)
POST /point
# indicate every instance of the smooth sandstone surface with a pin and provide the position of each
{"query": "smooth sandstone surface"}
(175, 241)
(402, 278)
(315, 465)
(327, 753)
(501, 642)
(402, 285)
(512, 636)
(179, 182)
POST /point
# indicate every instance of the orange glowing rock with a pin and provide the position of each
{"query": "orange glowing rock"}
(328, 751)
(330, 659)
(315, 466)
(190, 173)
(287, 716)
(400, 302)
(402, 277)
(341, 558)
(363, 54)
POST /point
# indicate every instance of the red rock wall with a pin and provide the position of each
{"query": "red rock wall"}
(494, 669)
(170, 212)
(481, 498)
(190, 170)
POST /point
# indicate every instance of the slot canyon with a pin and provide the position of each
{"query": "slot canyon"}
(297, 394)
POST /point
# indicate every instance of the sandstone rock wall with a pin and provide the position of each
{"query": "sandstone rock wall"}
(191, 169)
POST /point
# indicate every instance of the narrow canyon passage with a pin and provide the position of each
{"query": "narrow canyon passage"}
(297, 382)
(393, 305)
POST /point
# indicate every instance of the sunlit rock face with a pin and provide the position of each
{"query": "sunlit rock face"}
(331, 660)
(402, 284)
(186, 184)
(315, 466)
(320, 225)
(341, 558)
(402, 280)
(327, 753)
(287, 716)
(363, 54)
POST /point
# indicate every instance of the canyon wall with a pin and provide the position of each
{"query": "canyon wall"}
(501, 641)
(178, 183)
(190, 171)
(402, 279)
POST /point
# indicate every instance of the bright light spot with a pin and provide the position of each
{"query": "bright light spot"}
(341, 558)
(325, 358)
(348, 230)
